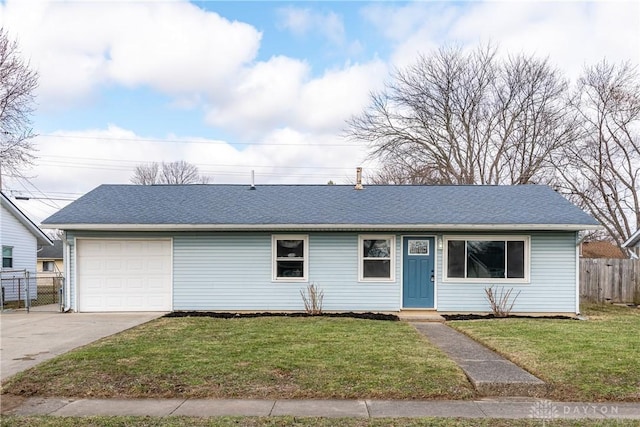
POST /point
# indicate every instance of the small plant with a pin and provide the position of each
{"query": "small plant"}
(501, 302)
(312, 297)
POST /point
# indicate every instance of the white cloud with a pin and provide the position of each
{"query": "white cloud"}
(173, 47)
(280, 93)
(262, 96)
(302, 21)
(571, 34)
(325, 103)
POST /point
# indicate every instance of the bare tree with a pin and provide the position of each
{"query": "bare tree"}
(17, 85)
(601, 171)
(178, 172)
(399, 172)
(146, 174)
(469, 118)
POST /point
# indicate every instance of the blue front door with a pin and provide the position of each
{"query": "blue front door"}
(418, 276)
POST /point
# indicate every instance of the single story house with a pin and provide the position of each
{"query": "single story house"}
(379, 248)
(20, 239)
(50, 258)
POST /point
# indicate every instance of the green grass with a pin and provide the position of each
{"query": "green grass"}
(296, 422)
(592, 360)
(252, 358)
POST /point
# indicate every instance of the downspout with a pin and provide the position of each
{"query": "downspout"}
(67, 274)
(578, 245)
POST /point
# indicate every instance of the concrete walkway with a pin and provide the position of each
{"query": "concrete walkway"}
(490, 373)
(513, 408)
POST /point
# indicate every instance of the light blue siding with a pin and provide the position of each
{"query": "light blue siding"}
(552, 288)
(233, 271)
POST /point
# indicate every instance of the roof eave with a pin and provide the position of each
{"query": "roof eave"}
(323, 227)
(24, 220)
(633, 241)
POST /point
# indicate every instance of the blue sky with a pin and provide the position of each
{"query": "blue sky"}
(265, 86)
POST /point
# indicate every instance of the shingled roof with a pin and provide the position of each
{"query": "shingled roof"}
(184, 207)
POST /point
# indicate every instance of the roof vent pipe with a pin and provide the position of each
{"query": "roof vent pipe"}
(358, 179)
(253, 180)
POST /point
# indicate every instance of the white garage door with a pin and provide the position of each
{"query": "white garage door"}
(123, 275)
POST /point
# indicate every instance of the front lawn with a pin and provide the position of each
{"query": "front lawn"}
(269, 357)
(593, 360)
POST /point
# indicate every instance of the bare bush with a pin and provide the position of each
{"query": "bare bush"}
(312, 297)
(501, 302)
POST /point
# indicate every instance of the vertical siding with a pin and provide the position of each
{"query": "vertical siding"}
(552, 287)
(233, 271)
(13, 233)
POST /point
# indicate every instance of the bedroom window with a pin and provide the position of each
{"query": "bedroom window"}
(376, 258)
(484, 259)
(7, 257)
(290, 257)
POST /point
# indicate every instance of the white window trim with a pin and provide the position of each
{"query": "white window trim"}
(487, 280)
(11, 257)
(274, 258)
(392, 257)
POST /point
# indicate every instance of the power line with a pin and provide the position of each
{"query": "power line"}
(137, 162)
(196, 141)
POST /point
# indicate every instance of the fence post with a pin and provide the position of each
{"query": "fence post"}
(27, 302)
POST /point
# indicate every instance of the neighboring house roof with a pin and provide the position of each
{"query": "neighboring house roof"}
(22, 218)
(633, 241)
(51, 252)
(601, 249)
(218, 207)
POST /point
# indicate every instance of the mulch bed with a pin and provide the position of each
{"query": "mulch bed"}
(226, 315)
(492, 316)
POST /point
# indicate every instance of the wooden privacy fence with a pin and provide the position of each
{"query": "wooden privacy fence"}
(610, 280)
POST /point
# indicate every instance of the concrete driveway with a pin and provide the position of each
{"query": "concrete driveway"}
(27, 339)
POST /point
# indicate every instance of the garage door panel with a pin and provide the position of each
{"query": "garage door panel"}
(113, 284)
(124, 275)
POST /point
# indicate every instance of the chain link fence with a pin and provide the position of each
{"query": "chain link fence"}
(25, 290)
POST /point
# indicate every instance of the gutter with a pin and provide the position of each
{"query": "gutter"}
(324, 227)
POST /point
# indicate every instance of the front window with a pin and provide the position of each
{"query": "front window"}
(290, 257)
(7, 257)
(487, 259)
(377, 260)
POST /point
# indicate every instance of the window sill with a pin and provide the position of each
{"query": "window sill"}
(487, 281)
(296, 280)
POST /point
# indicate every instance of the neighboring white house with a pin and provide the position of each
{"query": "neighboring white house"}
(633, 243)
(20, 239)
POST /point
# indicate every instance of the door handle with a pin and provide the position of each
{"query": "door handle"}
(432, 278)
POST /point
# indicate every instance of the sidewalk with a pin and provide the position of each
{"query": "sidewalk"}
(509, 408)
(490, 373)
